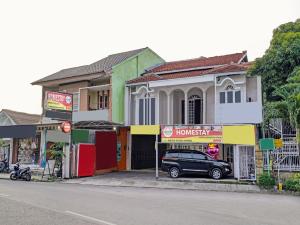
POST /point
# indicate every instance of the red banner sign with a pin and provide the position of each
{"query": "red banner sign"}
(59, 101)
(194, 134)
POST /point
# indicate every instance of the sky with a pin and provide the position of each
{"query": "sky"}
(39, 38)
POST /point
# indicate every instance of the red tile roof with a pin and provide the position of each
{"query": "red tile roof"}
(145, 78)
(200, 62)
(221, 69)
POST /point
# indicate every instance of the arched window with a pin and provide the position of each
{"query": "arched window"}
(146, 107)
(231, 94)
(195, 109)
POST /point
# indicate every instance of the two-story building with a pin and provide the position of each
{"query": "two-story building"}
(199, 92)
(98, 100)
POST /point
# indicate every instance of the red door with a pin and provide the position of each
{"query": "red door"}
(86, 160)
(106, 150)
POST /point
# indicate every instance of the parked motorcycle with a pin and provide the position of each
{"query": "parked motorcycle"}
(20, 174)
(4, 166)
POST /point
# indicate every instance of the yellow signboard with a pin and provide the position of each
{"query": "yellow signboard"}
(278, 143)
(239, 134)
(145, 129)
(227, 134)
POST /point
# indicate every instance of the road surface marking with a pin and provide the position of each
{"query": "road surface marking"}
(3, 195)
(90, 218)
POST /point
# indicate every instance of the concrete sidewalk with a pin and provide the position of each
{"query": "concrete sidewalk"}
(146, 179)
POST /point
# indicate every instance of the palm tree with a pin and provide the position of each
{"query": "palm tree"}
(290, 94)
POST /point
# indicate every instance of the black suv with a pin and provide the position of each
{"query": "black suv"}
(183, 161)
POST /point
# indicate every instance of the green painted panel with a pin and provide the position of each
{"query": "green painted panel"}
(125, 71)
(266, 144)
(80, 136)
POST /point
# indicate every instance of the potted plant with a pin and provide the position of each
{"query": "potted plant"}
(55, 156)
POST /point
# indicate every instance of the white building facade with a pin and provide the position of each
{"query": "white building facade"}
(200, 92)
(210, 97)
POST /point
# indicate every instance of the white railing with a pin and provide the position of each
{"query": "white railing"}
(286, 158)
(283, 162)
(250, 112)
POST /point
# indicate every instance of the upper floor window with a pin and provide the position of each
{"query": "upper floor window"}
(75, 102)
(146, 108)
(230, 95)
(103, 99)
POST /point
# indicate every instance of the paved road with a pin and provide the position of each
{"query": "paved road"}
(33, 203)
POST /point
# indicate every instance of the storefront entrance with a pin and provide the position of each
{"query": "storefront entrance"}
(228, 155)
(246, 162)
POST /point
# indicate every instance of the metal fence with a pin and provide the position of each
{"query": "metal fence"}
(286, 158)
(282, 161)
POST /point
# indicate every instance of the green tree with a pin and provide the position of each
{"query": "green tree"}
(290, 94)
(279, 68)
(279, 60)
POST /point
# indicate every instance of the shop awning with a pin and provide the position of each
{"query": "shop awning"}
(18, 131)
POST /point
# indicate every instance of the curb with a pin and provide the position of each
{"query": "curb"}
(179, 186)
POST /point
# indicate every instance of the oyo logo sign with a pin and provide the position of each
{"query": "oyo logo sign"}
(68, 99)
(168, 131)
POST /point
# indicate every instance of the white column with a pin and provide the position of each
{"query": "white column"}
(236, 162)
(127, 106)
(258, 85)
(136, 110)
(169, 108)
(66, 162)
(128, 152)
(186, 116)
(204, 107)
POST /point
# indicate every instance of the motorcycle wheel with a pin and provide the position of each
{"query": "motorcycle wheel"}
(27, 177)
(12, 176)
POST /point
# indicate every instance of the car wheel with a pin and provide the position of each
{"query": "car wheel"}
(174, 172)
(216, 173)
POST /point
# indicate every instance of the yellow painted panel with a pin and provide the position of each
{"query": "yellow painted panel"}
(240, 134)
(145, 129)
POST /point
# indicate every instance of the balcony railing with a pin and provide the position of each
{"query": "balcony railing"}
(94, 115)
(250, 112)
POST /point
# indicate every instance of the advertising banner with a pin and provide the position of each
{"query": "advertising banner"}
(59, 101)
(192, 134)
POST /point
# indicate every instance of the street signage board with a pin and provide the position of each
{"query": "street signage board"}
(59, 101)
(267, 144)
(192, 134)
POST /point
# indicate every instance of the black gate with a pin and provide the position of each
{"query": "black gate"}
(143, 152)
